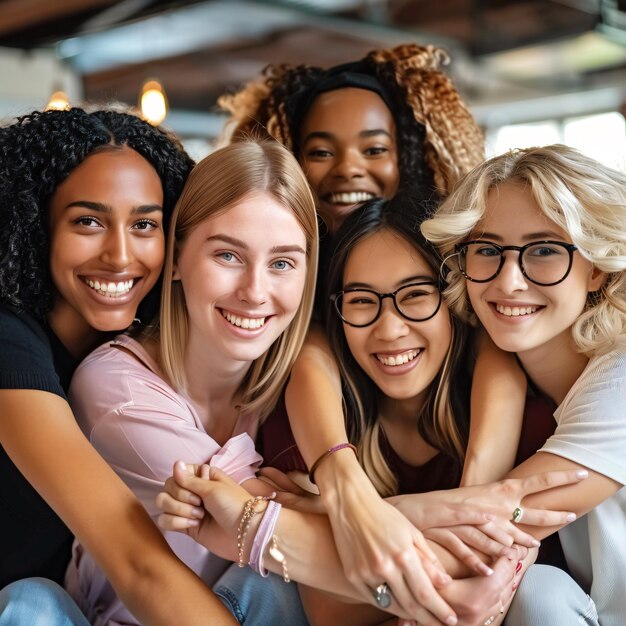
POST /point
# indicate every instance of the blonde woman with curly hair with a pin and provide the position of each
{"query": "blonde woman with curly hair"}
(364, 130)
(536, 243)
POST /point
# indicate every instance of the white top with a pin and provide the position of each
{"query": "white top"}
(591, 431)
(141, 426)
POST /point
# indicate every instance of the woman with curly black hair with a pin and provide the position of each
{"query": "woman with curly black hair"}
(388, 122)
(84, 201)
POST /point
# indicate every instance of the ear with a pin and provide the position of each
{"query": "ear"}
(596, 279)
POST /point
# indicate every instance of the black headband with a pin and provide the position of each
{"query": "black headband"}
(338, 77)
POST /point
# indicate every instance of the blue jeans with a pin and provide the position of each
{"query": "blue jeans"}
(38, 602)
(257, 601)
(547, 595)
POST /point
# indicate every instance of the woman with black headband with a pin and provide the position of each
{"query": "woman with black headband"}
(362, 130)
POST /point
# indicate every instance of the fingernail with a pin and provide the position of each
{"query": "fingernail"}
(535, 543)
(518, 567)
(183, 465)
(571, 517)
(582, 473)
(487, 570)
(489, 517)
(196, 512)
(514, 586)
(452, 620)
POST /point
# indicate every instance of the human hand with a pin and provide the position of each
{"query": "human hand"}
(223, 501)
(377, 544)
(289, 493)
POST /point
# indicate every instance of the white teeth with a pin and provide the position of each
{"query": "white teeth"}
(515, 311)
(398, 359)
(352, 197)
(251, 323)
(111, 289)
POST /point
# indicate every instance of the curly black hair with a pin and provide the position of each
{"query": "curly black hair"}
(37, 153)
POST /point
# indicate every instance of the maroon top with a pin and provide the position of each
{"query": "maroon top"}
(277, 445)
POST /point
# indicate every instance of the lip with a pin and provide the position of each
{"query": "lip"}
(116, 300)
(363, 196)
(397, 370)
(515, 306)
(239, 331)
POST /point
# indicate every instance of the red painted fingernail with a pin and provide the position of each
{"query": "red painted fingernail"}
(518, 567)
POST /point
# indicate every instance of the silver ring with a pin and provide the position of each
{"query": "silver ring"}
(490, 620)
(382, 596)
(518, 513)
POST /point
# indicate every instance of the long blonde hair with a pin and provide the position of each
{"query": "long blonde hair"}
(215, 185)
(578, 194)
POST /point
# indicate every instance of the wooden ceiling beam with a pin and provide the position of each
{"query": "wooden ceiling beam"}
(16, 15)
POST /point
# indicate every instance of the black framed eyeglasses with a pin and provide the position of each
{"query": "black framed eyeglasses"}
(416, 302)
(544, 263)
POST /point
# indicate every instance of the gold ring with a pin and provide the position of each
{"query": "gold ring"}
(518, 513)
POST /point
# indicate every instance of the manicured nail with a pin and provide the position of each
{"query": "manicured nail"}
(518, 567)
(582, 473)
(451, 621)
(487, 571)
(571, 517)
(183, 465)
(196, 512)
(535, 543)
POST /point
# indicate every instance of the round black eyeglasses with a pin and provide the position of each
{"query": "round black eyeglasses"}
(544, 263)
(416, 302)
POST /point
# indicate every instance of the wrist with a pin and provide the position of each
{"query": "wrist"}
(341, 477)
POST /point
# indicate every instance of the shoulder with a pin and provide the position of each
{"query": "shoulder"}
(26, 358)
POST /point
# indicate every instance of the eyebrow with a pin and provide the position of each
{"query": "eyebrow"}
(398, 285)
(244, 246)
(546, 234)
(363, 134)
(100, 207)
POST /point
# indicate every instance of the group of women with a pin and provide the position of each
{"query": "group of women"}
(424, 350)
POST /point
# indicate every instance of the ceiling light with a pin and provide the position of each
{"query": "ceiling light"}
(153, 102)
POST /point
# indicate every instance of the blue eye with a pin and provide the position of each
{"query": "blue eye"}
(227, 256)
(282, 265)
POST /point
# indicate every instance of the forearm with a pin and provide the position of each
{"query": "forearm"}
(497, 408)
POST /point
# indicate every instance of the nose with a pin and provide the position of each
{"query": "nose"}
(510, 279)
(252, 287)
(390, 325)
(117, 250)
(349, 164)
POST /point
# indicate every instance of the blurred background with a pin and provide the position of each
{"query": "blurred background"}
(533, 71)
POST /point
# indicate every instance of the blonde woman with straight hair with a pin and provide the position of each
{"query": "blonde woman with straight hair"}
(536, 244)
(238, 291)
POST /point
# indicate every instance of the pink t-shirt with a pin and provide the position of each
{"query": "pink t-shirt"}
(141, 426)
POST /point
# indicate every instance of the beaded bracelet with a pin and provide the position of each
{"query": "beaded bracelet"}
(325, 455)
(244, 524)
(279, 557)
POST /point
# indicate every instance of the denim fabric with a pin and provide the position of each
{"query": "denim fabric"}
(548, 595)
(38, 602)
(257, 601)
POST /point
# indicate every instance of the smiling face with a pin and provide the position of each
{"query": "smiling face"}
(348, 151)
(106, 244)
(519, 315)
(400, 356)
(243, 275)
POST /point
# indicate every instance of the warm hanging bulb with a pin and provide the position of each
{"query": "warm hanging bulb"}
(58, 102)
(153, 102)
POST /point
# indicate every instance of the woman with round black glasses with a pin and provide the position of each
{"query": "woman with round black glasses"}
(537, 251)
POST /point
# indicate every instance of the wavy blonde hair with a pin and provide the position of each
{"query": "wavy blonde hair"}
(578, 194)
(452, 143)
(217, 183)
